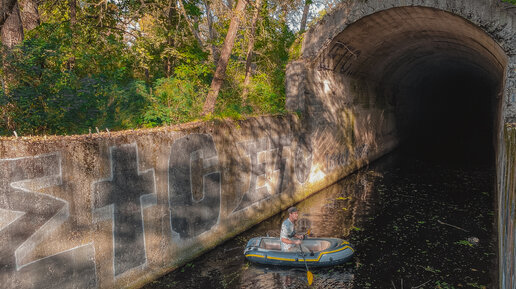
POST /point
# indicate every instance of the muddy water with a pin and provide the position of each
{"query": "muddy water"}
(414, 224)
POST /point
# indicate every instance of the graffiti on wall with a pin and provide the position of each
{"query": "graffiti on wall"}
(121, 198)
(266, 176)
(194, 185)
(28, 218)
(269, 174)
(337, 160)
(333, 161)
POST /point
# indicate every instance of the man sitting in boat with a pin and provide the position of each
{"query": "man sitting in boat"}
(290, 241)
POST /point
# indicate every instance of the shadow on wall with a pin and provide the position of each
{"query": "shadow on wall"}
(105, 211)
(346, 120)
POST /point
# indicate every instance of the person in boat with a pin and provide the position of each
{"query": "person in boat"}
(290, 240)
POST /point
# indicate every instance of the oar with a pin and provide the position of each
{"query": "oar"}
(309, 275)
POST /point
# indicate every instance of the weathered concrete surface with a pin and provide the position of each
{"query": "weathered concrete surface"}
(117, 210)
(377, 54)
(507, 207)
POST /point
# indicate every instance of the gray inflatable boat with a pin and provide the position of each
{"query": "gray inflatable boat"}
(321, 252)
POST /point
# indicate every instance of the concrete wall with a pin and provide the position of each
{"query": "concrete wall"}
(117, 210)
(507, 207)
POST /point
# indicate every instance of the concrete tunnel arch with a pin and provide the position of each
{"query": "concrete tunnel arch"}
(397, 55)
(378, 68)
(441, 74)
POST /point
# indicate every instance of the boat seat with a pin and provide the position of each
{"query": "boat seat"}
(316, 246)
(270, 245)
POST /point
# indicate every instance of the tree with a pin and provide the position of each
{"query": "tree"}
(6, 7)
(250, 47)
(190, 24)
(211, 32)
(11, 34)
(306, 9)
(29, 14)
(130, 63)
(12, 30)
(73, 12)
(220, 72)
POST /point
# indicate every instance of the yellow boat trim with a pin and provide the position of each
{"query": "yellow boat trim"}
(320, 254)
(299, 260)
(253, 255)
(281, 259)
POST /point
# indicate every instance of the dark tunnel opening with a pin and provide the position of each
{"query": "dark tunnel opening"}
(449, 114)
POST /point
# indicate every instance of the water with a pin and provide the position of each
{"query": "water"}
(414, 224)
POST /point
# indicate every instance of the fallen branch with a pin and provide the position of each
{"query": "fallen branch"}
(443, 223)
(421, 285)
(231, 249)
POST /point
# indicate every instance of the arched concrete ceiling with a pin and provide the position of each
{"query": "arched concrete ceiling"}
(389, 45)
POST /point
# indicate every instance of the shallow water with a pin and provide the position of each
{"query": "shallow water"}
(413, 223)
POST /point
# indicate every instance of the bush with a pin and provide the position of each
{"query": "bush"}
(178, 99)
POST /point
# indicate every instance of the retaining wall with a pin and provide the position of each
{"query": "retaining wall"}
(118, 210)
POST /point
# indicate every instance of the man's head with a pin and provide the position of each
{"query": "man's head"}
(292, 214)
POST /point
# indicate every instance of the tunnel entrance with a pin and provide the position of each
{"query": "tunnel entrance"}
(450, 114)
(439, 74)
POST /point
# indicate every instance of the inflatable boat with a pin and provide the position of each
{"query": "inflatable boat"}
(317, 252)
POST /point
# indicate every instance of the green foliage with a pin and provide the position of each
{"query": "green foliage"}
(464, 243)
(510, 1)
(295, 49)
(60, 83)
(263, 95)
(129, 64)
(178, 99)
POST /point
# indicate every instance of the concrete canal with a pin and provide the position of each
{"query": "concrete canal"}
(416, 221)
(118, 210)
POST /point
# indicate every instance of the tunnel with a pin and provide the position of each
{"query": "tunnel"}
(441, 74)
(438, 75)
(432, 78)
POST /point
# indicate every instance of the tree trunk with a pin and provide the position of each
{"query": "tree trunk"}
(209, 17)
(220, 72)
(173, 22)
(190, 24)
(29, 14)
(11, 34)
(12, 30)
(73, 23)
(6, 7)
(73, 12)
(306, 9)
(250, 48)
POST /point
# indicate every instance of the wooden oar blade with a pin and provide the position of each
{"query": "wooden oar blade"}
(309, 277)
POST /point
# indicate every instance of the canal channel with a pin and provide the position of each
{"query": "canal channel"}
(416, 221)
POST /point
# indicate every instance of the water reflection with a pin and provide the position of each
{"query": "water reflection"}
(263, 277)
(393, 212)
